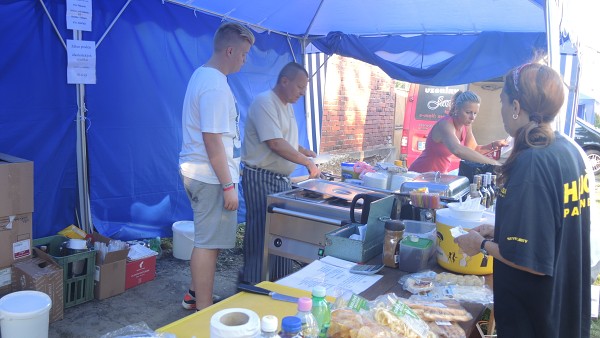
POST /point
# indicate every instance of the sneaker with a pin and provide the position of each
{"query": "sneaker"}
(189, 302)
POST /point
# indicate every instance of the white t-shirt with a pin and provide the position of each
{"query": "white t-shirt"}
(269, 118)
(209, 107)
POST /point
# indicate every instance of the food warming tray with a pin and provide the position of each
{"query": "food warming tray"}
(446, 185)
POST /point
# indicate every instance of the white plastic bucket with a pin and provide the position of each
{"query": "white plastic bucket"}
(183, 239)
(25, 314)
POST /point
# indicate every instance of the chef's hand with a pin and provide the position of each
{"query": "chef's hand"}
(307, 152)
(470, 243)
(230, 199)
(313, 170)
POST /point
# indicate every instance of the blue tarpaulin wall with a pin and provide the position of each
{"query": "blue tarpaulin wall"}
(134, 109)
(133, 124)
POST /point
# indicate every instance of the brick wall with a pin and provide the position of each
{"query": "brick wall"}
(359, 106)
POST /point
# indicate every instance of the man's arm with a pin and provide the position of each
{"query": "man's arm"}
(218, 161)
(282, 148)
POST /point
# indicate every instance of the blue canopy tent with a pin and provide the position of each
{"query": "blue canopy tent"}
(106, 153)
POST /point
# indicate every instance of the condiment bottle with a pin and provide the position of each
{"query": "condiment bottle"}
(394, 230)
(268, 327)
(291, 327)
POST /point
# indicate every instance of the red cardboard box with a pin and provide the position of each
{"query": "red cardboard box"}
(140, 271)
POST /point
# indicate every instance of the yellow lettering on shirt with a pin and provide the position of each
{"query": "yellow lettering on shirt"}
(575, 193)
(571, 192)
(517, 239)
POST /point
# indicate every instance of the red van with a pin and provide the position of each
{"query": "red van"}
(425, 105)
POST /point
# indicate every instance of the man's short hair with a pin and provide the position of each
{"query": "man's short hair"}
(230, 33)
(291, 70)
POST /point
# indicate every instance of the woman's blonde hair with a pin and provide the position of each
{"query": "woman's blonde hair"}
(460, 98)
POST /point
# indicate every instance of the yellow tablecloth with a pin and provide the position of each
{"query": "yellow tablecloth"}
(198, 324)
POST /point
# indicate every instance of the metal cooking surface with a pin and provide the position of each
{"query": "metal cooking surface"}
(336, 189)
(309, 196)
(314, 203)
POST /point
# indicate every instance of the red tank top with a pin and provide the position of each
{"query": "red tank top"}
(436, 156)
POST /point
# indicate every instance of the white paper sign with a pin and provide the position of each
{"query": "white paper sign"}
(81, 62)
(79, 15)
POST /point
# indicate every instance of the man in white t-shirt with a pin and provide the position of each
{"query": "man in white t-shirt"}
(210, 158)
(270, 153)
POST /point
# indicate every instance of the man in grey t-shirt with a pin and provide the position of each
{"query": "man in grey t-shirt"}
(270, 153)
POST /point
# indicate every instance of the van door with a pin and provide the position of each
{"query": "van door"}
(425, 105)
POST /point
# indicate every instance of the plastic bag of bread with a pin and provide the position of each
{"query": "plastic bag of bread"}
(419, 282)
(447, 330)
(350, 300)
(392, 312)
(441, 310)
(346, 323)
(448, 278)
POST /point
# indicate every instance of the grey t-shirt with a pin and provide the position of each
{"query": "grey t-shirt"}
(269, 118)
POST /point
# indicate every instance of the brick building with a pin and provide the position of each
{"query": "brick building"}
(360, 110)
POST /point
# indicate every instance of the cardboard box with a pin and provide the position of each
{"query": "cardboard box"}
(41, 273)
(5, 281)
(16, 206)
(16, 180)
(15, 238)
(109, 277)
(140, 271)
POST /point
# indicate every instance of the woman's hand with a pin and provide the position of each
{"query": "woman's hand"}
(498, 144)
(485, 230)
(470, 243)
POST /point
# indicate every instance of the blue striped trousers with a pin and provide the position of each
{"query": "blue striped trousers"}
(257, 183)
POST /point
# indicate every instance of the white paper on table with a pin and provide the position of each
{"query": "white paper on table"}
(333, 274)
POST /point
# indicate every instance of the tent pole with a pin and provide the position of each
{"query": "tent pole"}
(85, 221)
(553, 20)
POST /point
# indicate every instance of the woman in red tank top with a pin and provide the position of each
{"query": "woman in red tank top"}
(452, 135)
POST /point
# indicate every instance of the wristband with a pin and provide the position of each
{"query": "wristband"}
(228, 186)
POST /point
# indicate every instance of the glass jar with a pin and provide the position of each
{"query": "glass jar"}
(394, 231)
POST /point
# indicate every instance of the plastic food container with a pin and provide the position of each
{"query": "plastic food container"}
(414, 253)
(420, 229)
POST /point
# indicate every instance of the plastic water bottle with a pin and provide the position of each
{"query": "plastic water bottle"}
(268, 327)
(310, 328)
(291, 327)
(321, 310)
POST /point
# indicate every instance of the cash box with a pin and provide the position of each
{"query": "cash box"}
(339, 244)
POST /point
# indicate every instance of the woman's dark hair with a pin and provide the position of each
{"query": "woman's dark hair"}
(539, 91)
